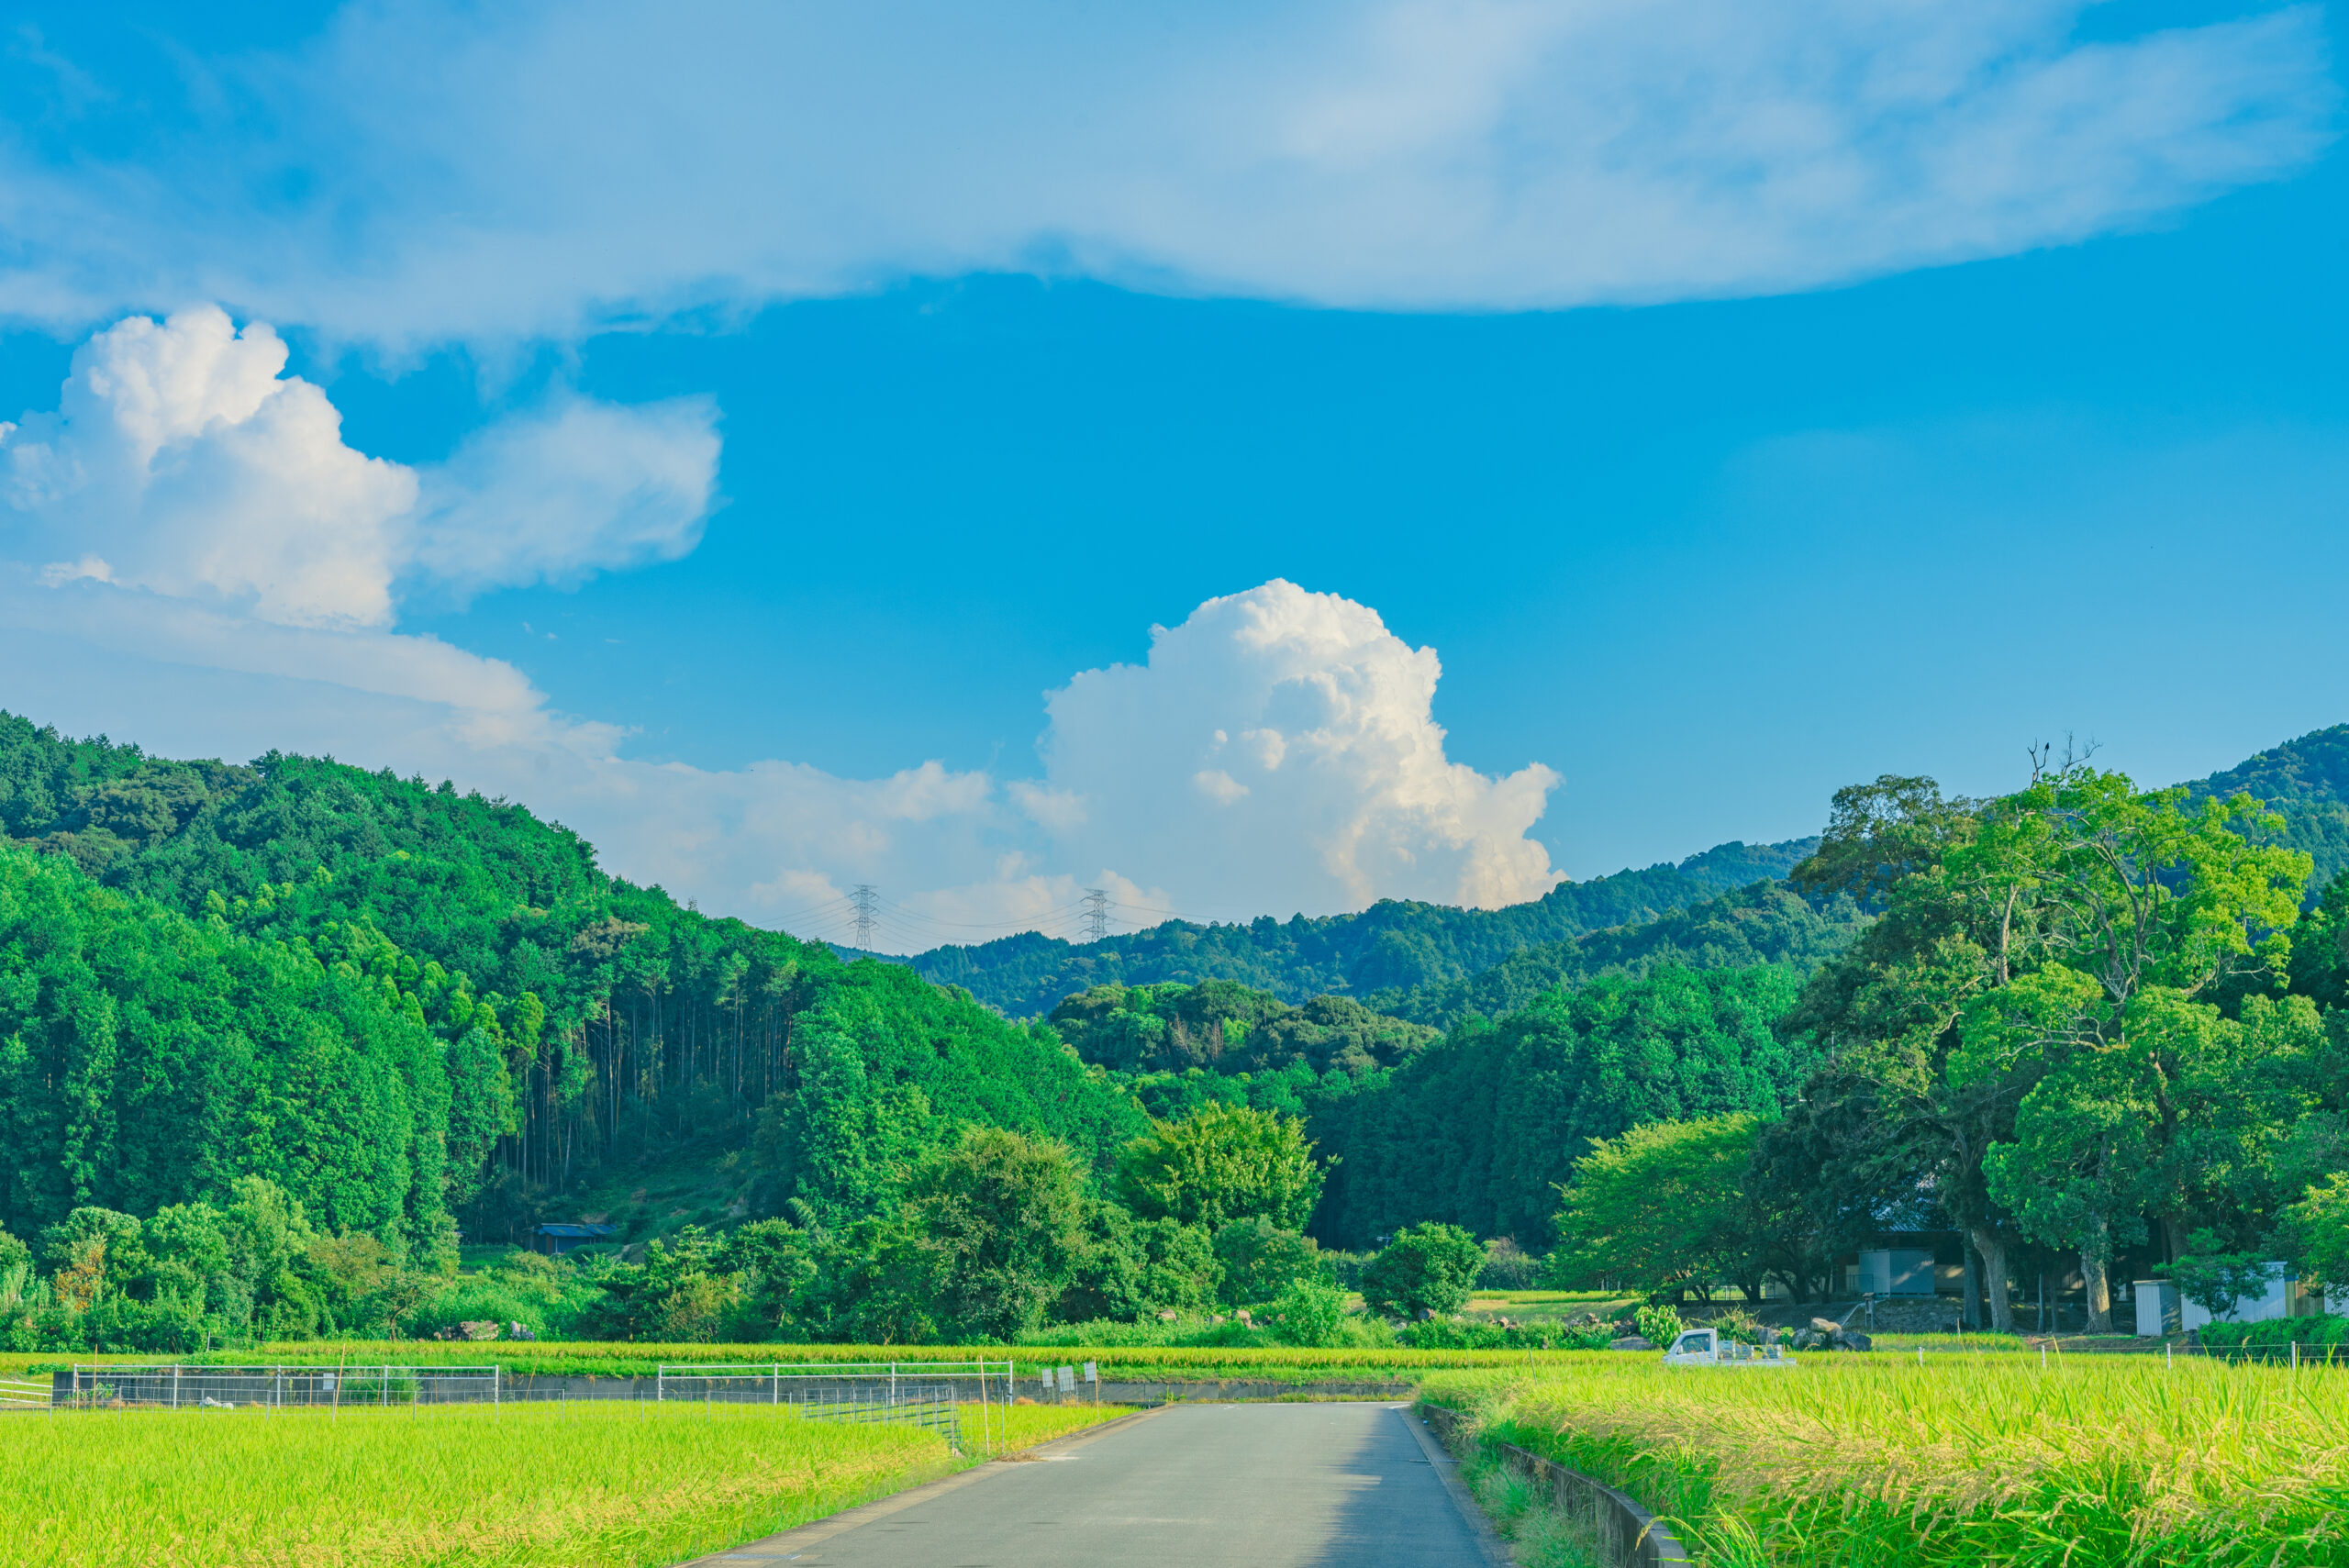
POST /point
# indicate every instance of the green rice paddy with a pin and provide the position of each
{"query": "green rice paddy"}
(590, 1484)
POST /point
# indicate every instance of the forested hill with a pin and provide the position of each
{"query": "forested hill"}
(169, 953)
(1387, 949)
(1765, 923)
(2308, 781)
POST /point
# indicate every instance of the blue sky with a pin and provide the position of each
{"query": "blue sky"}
(1880, 389)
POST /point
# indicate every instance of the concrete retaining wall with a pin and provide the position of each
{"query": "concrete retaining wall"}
(1629, 1536)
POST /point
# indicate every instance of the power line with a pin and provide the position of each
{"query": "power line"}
(1096, 914)
(863, 897)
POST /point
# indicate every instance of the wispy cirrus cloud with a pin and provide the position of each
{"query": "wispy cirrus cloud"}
(423, 170)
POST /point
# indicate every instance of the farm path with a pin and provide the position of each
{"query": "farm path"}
(1260, 1485)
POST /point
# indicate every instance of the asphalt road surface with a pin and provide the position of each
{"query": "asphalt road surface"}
(1263, 1485)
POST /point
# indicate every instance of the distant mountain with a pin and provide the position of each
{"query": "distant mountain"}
(1390, 948)
(2308, 781)
(1766, 922)
(1432, 963)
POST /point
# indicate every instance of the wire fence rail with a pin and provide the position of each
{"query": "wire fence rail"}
(178, 1386)
(934, 1395)
(938, 1396)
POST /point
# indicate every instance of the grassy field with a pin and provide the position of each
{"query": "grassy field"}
(1873, 1461)
(1147, 1364)
(521, 1487)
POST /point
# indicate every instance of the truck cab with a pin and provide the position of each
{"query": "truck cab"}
(1708, 1347)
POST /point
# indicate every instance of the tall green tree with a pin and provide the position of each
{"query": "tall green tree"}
(1663, 1209)
(2087, 893)
(995, 1221)
(1220, 1164)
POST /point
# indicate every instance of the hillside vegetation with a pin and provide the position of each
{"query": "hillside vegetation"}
(271, 1036)
(1376, 956)
(582, 1023)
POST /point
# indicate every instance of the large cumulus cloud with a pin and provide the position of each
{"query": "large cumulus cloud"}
(1278, 750)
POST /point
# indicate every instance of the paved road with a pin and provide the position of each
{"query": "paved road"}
(1260, 1485)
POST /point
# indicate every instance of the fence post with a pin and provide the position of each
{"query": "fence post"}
(659, 1384)
(775, 1371)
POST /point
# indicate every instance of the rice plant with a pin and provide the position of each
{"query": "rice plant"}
(527, 1487)
(1974, 1460)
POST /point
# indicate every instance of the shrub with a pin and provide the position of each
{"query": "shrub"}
(1507, 1266)
(1310, 1312)
(1261, 1260)
(1659, 1326)
(1427, 1268)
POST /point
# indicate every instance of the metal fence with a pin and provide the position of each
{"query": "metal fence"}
(934, 1395)
(117, 1386)
(940, 1397)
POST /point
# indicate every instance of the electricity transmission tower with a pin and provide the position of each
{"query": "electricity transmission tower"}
(1096, 914)
(863, 897)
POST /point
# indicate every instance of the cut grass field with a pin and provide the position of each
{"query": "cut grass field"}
(1875, 1462)
(544, 1486)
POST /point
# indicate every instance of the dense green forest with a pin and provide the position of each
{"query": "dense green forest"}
(271, 1036)
(1388, 948)
(589, 1023)
(2307, 781)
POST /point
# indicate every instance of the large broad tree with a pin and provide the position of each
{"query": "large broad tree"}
(2024, 942)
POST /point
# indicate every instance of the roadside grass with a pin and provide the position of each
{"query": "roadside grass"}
(1540, 1534)
(545, 1486)
(1872, 1461)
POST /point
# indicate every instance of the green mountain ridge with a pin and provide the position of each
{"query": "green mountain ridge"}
(1391, 948)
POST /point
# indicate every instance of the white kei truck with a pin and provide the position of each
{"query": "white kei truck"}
(1707, 1347)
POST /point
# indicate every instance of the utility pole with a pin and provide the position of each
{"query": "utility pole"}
(863, 897)
(1096, 914)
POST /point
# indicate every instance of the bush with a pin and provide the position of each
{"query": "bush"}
(2324, 1331)
(1507, 1267)
(1454, 1334)
(1310, 1312)
(1659, 1326)
(472, 1298)
(1427, 1268)
(1261, 1260)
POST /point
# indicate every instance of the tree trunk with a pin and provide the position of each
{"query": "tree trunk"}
(1993, 1249)
(2096, 1274)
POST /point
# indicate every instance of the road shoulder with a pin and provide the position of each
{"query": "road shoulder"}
(790, 1542)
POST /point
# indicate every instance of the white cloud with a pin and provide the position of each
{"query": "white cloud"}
(1336, 790)
(575, 488)
(183, 460)
(536, 168)
(1361, 803)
